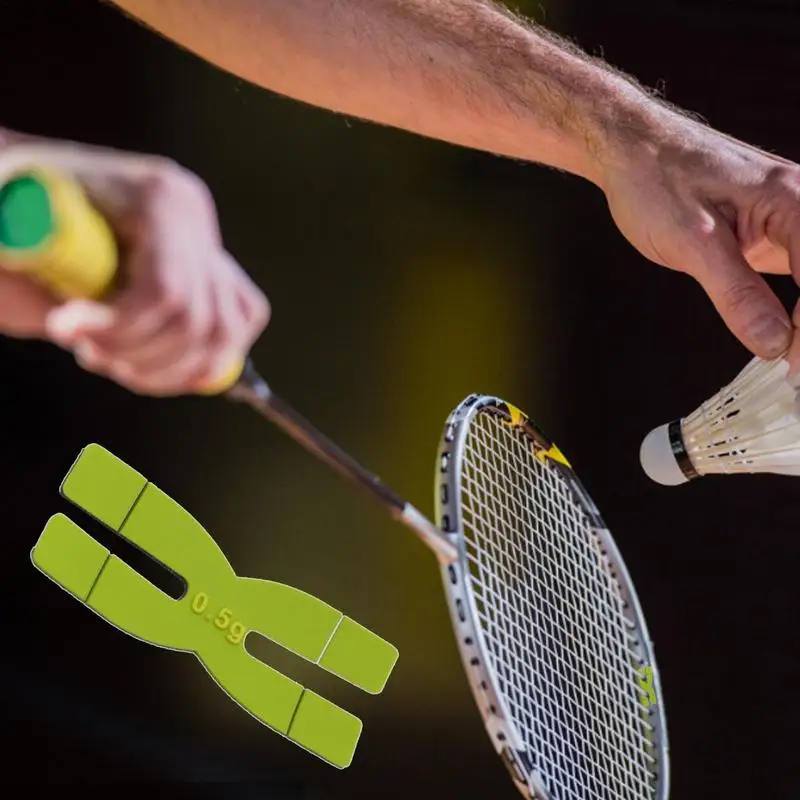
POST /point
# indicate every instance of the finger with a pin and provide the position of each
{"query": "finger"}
(149, 346)
(253, 303)
(201, 357)
(162, 348)
(769, 258)
(35, 152)
(240, 311)
(233, 337)
(743, 299)
(120, 373)
(168, 363)
(782, 228)
(174, 373)
(162, 361)
(256, 310)
(156, 371)
(144, 385)
(793, 355)
(68, 323)
(148, 303)
(89, 358)
(168, 273)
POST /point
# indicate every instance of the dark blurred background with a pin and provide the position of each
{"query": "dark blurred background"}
(404, 274)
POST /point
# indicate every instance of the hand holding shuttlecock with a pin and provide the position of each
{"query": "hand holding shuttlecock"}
(752, 425)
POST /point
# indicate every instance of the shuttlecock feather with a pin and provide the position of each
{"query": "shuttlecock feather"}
(752, 425)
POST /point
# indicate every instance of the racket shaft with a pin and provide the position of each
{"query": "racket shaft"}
(254, 391)
(287, 419)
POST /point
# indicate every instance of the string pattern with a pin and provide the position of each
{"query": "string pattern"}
(551, 615)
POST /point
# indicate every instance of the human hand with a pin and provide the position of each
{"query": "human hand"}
(185, 310)
(697, 201)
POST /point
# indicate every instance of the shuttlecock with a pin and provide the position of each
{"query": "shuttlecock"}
(752, 425)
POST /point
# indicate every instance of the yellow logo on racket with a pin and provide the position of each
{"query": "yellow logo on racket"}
(554, 454)
(517, 417)
(646, 685)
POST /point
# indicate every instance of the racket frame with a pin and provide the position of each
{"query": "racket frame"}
(499, 725)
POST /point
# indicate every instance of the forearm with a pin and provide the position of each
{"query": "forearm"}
(463, 71)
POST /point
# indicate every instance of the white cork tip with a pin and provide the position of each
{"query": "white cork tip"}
(657, 458)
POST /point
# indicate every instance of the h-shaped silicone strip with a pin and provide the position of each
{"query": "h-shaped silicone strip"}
(219, 608)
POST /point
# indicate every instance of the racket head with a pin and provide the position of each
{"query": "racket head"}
(548, 624)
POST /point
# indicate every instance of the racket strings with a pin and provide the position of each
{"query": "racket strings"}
(586, 730)
(527, 575)
(515, 650)
(565, 697)
(552, 620)
(525, 608)
(553, 652)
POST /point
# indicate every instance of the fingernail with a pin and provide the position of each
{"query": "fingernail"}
(773, 335)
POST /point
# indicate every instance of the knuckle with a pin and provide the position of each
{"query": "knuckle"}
(224, 335)
(171, 303)
(738, 295)
(200, 328)
(262, 311)
(163, 177)
(163, 293)
(169, 180)
(197, 190)
(190, 196)
(785, 178)
(791, 186)
(702, 227)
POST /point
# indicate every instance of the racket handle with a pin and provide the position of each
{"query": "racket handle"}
(51, 232)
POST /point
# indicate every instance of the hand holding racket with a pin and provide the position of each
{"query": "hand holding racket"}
(182, 310)
(553, 640)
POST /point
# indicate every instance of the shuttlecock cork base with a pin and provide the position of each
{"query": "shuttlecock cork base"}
(664, 458)
(750, 426)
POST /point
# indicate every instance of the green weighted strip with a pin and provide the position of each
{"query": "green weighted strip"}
(103, 485)
(359, 656)
(305, 624)
(69, 556)
(321, 727)
(218, 610)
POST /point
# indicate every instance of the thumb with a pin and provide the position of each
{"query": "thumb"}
(66, 324)
(742, 297)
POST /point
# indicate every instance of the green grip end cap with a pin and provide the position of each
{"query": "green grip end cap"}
(26, 216)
